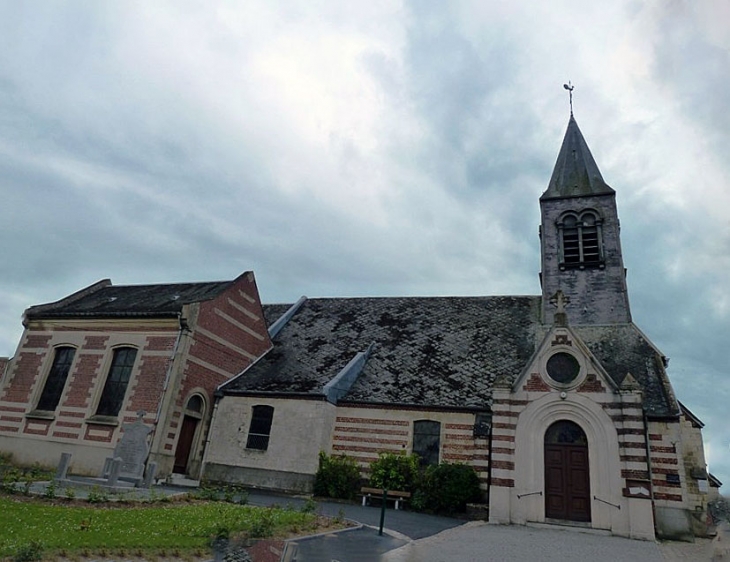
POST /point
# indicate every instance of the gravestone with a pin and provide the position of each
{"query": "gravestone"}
(132, 449)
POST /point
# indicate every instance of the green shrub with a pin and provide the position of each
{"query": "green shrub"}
(394, 471)
(447, 488)
(29, 552)
(338, 476)
(50, 492)
(97, 495)
(262, 526)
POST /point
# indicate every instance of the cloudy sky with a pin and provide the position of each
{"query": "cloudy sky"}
(368, 148)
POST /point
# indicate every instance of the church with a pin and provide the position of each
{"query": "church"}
(560, 403)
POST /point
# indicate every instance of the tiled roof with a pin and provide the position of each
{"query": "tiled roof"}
(106, 300)
(434, 352)
(623, 349)
(440, 351)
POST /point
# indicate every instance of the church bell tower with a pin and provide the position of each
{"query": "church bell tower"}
(579, 240)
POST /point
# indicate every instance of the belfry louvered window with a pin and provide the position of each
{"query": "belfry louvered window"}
(580, 240)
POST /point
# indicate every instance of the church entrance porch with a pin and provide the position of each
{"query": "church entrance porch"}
(567, 480)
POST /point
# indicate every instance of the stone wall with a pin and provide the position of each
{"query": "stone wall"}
(300, 429)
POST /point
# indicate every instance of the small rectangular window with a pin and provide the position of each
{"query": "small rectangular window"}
(260, 430)
(117, 380)
(56, 380)
(427, 441)
(482, 426)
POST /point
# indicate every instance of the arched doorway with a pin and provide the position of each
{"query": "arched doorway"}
(193, 414)
(567, 480)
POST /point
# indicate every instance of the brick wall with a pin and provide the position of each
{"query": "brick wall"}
(228, 334)
(666, 465)
(94, 345)
(364, 433)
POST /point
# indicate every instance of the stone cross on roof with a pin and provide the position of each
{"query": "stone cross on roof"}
(559, 299)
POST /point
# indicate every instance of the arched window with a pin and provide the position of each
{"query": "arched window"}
(260, 430)
(195, 404)
(427, 441)
(116, 383)
(56, 380)
(580, 240)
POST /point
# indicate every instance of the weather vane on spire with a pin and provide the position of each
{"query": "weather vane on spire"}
(570, 87)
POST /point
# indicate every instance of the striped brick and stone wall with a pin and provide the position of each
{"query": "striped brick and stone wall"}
(667, 471)
(364, 432)
(42, 436)
(612, 419)
(226, 334)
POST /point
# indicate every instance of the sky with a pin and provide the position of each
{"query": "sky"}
(370, 148)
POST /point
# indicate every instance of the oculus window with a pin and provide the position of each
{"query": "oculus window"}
(260, 430)
(117, 381)
(56, 380)
(563, 367)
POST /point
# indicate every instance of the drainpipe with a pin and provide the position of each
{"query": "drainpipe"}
(217, 395)
(168, 375)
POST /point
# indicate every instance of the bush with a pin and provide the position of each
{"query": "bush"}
(394, 471)
(338, 476)
(447, 488)
(29, 552)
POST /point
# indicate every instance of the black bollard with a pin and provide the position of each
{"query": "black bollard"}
(382, 512)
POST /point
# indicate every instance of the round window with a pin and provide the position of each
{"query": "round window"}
(563, 368)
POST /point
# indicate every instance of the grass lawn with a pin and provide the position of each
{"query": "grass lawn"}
(71, 529)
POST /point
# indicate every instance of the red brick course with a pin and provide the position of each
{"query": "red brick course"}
(503, 482)
(668, 497)
(36, 341)
(591, 384)
(95, 342)
(536, 384)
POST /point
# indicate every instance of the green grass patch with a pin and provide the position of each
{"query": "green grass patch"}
(176, 526)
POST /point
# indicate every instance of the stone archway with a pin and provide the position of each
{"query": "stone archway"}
(567, 474)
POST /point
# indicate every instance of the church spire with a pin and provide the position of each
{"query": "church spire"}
(580, 241)
(576, 173)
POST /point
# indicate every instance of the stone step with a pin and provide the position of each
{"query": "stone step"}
(182, 480)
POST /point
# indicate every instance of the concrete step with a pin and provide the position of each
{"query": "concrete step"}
(183, 481)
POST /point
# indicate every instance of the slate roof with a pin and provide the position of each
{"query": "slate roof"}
(439, 351)
(576, 173)
(104, 300)
(434, 351)
(623, 349)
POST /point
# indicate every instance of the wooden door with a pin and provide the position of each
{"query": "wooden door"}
(567, 479)
(184, 444)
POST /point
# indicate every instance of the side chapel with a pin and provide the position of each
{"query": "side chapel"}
(559, 402)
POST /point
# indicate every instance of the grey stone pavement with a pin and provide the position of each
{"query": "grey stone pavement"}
(418, 537)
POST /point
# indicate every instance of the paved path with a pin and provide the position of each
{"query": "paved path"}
(417, 537)
(486, 543)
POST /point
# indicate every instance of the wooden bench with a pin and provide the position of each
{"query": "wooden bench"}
(377, 493)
